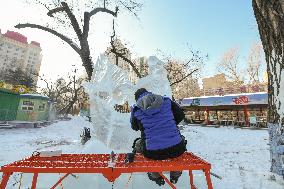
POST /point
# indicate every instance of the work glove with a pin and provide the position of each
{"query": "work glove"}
(129, 157)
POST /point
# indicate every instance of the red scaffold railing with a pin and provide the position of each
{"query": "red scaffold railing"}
(111, 166)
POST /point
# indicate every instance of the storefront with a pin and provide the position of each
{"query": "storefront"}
(236, 109)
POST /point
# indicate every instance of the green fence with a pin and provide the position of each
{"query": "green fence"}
(8, 115)
(9, 103)
(24, 115)
(12, 115)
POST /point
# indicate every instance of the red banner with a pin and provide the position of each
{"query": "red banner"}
(241, 100)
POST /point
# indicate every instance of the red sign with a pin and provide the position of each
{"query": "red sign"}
(241, 100)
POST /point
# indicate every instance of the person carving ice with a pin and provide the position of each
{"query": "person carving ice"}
(157, 117)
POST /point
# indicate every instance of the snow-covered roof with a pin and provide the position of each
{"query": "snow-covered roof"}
(36, 96)
(237, 94)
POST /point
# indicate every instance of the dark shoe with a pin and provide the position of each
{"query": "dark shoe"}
(159, 180)
(174, 180)
(174, 176)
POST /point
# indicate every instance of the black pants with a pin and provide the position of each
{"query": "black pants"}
(138, 147)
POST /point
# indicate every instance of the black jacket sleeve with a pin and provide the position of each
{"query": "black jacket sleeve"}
(135, 124)
(133, 120)
(177, 112)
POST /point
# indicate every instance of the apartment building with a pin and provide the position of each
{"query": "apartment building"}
(15, 51)
(219, 85)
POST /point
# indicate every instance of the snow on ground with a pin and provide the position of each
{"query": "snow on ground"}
(239, 156)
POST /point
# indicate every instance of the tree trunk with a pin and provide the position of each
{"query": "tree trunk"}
(270, 19)
(88, 65)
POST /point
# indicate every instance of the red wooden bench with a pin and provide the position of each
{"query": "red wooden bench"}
(111, 166)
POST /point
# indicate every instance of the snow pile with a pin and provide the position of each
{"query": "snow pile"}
(110, 86)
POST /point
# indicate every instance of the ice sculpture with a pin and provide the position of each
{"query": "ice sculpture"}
(109, 86)
(156, 81)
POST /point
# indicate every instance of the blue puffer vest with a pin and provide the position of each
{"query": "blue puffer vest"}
(158, 121)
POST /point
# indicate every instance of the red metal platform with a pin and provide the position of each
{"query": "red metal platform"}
(110, 166)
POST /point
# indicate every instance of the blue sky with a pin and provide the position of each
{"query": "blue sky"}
(209, 26)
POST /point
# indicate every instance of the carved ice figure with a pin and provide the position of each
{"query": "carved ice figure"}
(156, 81)
(109, 86)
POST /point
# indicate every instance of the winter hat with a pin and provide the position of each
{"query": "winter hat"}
(139, 92)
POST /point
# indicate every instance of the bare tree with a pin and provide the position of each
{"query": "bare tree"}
(122, 52)
(65, 93)
(119, 48)
(229, 65)
(182, 73)
(54, 90)
(19, 76)
(74, 91)
(189, 87)
(76, 16)
(178, 70)
(270, 16)
(255, 63)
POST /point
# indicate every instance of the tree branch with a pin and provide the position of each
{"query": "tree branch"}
(103, 9)
(131, 8)
(121, 55)
(41, 3)
(88, 15)
(55, 10)
(73, 20)
(61, 36)
(127, 60)
(184, 77)
(86, 26)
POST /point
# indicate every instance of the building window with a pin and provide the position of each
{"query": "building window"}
(28, 105)
(41, 107)
(27, 108)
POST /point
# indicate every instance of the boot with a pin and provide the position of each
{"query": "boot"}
(159, 180)
(174, 180)
(174, 176)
